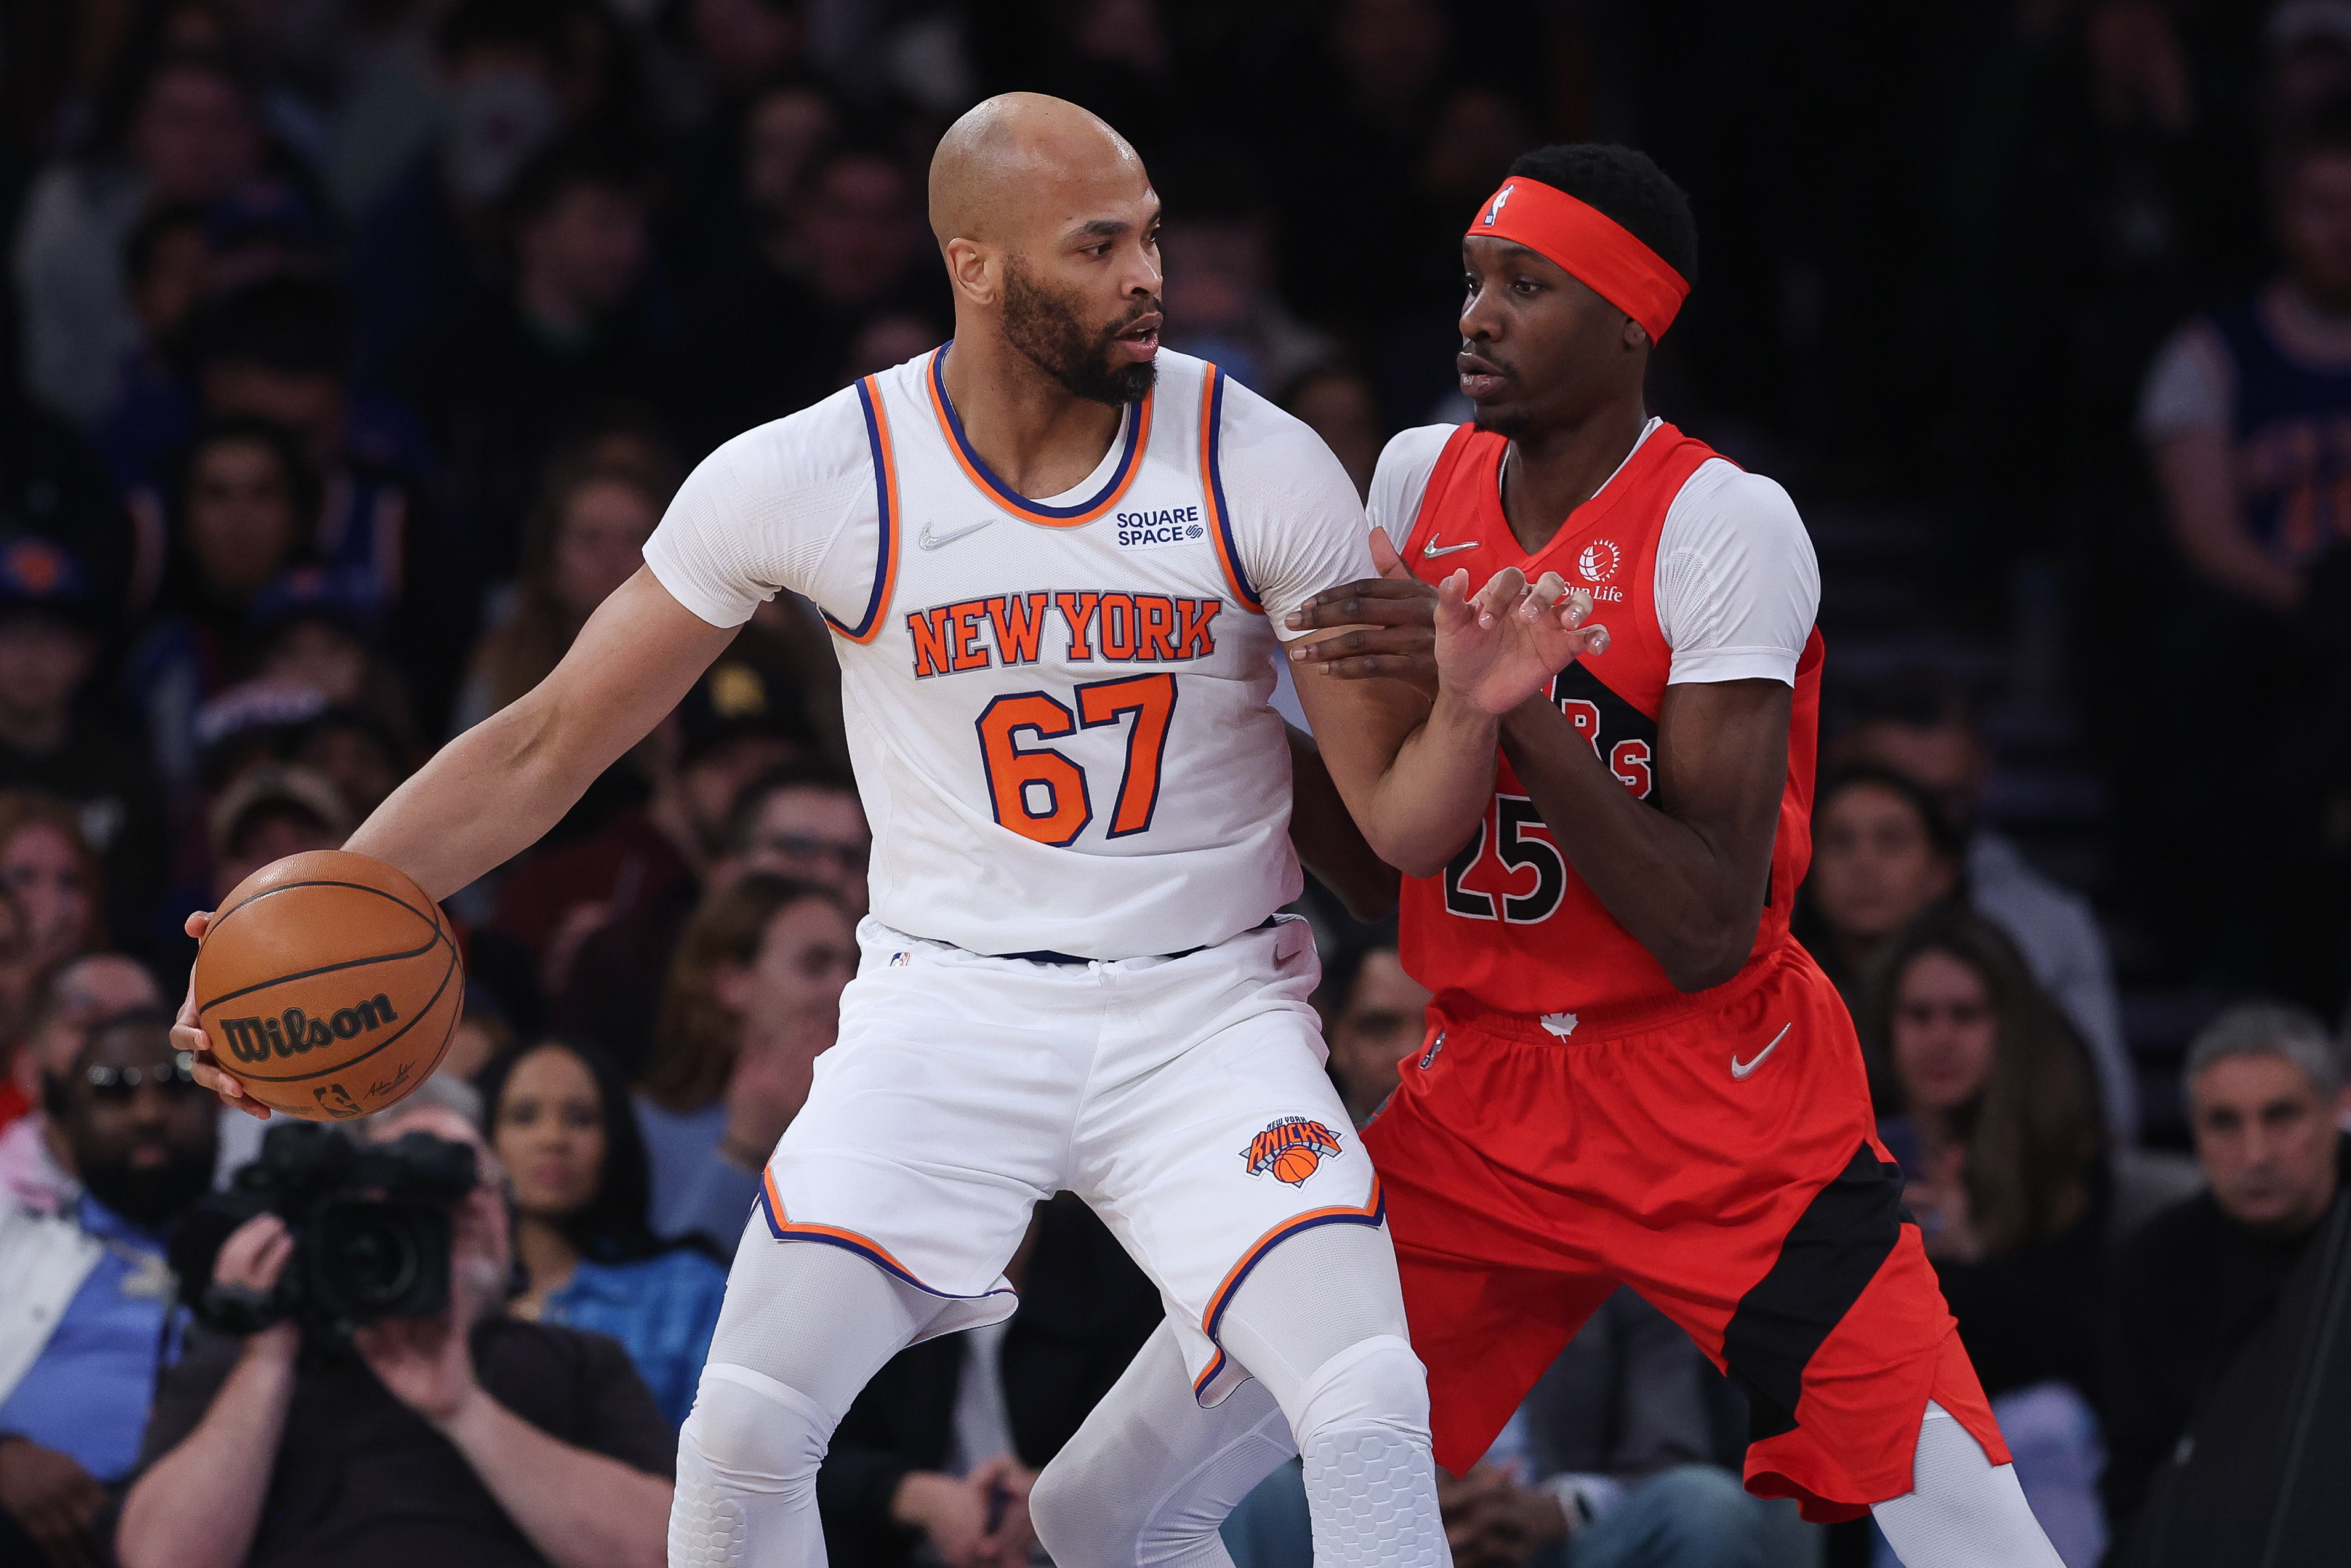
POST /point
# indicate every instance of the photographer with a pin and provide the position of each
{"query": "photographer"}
(508, 1443)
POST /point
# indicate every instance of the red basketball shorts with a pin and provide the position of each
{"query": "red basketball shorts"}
(1719, 1156)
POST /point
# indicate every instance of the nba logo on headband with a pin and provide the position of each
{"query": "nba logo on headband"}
(1495, 211)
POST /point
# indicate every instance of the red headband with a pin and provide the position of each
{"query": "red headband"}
(1604, 257)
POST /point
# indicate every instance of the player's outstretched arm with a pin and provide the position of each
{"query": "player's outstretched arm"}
(491, 792)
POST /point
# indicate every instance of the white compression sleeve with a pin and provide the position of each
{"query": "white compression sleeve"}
(1319, 1322)
(1147, 1479)
(804, 1328)
(1962, 1510)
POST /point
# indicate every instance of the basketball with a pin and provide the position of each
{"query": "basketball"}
(328, 985)
(1294, 1166)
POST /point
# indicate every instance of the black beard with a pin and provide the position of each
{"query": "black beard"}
(153, 1195)
(1045, 330)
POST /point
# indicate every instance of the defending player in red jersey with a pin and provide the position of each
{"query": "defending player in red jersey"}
(1633, 1074)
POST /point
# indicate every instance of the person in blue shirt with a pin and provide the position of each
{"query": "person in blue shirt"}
(88, 1293)
(560, 1119)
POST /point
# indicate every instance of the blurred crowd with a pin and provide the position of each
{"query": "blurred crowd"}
(352, 349)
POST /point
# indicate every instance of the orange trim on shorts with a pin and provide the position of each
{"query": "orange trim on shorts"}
(771, 1204)
(1373, 1213)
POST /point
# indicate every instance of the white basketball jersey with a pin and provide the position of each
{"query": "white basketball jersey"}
(1058, 709)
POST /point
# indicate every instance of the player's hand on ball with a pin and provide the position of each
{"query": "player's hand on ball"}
(188, 1035)
(1502, 645)
(1391, 619)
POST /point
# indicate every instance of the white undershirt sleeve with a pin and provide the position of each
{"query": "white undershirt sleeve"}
(786, 504)
(1402, 478)
(1738, 586)
(1296, 515)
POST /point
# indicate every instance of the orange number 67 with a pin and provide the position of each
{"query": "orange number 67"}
(1041, 794)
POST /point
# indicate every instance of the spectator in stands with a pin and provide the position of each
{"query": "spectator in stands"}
(1343, 408)
(933, 1460)
(2265, 1094)
(561, 1121)
(1377, 1024)
(585, 537)
(1921, 727)
(322, 628)
(1882, 855)
(356, 751)
(1988, 1100)
(754, 998)
(476, 1437)
(48, 866)
(602, 913)
(511, 83)
(1221, 303)
(574, 333)
(2238, 415)
(271, 811)
(89, 1286)
(55, 1027)
(246, 507)
(192, 137)
(803, 822)
(50, 741)
(786, 315)
(1613, 1459)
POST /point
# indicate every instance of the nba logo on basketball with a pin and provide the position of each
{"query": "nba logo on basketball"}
(1290, 1150)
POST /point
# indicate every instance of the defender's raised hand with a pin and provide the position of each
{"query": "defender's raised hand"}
(1393, 633)
(1502, 645)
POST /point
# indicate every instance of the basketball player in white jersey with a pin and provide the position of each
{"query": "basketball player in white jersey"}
(1054, 558)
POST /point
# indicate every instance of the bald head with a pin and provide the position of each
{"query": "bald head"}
(1018, 166)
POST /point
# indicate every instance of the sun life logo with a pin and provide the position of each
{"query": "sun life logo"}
(1598, 560)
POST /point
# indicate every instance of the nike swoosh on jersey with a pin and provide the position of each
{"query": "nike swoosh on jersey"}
(930, 541)
(1741, 1069)
(1432, 550)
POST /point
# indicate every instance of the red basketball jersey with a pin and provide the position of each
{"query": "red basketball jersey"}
(1508, 926)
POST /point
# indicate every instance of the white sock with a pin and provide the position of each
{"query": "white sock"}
(1962, 1510)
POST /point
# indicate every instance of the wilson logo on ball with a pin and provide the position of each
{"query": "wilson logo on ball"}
(293, 1032)
(1290, 1150)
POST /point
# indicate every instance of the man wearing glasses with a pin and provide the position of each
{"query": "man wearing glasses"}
(82, 1314)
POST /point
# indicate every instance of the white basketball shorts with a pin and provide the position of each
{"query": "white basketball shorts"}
(1184, 1099)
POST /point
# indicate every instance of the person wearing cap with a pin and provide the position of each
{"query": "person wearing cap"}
(270, 810)
(49, 644)
(1611, 952)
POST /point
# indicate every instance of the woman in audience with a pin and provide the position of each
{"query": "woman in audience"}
(585, 539)
(560, 1120)
(245, 508)
(1986, 1097)
(1882, 854)
(754, 996)
(48, 870)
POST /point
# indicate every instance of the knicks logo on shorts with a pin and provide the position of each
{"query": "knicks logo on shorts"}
(1290, 1150)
